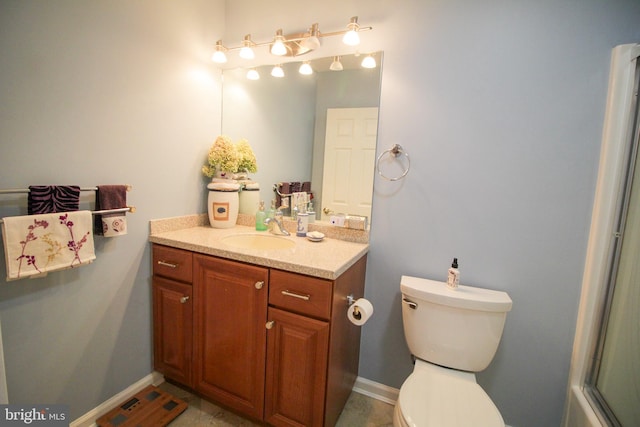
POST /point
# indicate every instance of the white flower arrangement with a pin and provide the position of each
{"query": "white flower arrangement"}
(247, 157)
(225, 157)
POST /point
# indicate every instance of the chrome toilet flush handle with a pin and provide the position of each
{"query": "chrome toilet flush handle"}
(412, 305)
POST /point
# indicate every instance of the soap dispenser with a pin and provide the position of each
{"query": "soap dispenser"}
(271, 213)
(453, 277)
(261, 215)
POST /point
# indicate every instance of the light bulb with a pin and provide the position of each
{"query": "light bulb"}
(278, 47)
(336, 65)
(277, 71)
(219, 56)
(311, 41)
(305, 68)
(351, 37)
(368, 62)
(247, 52)
(253, 74)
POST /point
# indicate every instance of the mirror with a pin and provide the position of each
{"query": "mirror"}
(285, 121)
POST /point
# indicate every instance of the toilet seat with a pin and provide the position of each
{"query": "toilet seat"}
(434, 396)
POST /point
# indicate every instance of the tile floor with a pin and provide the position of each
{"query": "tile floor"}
(360, 411)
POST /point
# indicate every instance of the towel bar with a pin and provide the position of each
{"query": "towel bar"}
(26, 190)
(131, 209)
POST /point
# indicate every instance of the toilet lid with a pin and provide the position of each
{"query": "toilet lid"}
(446, 400)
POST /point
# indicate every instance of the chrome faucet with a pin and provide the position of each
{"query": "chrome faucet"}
(269, 223)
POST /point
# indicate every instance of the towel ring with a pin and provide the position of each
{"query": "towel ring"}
(395, 151)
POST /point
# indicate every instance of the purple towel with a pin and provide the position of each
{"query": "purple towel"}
(45, 199)
(111, 197)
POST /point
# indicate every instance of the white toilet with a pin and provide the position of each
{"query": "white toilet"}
(452, 334)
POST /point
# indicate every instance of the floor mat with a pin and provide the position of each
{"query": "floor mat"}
(150, 407)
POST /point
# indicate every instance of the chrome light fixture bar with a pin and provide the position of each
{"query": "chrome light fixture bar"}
(292, 44)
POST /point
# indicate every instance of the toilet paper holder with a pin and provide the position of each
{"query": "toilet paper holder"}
(356, 311)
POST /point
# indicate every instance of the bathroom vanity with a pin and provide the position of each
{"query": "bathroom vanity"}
(261, 331)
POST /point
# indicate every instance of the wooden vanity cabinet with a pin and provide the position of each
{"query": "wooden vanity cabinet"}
(230, 335)
(273, 345)
(312, 349)
(172, 313)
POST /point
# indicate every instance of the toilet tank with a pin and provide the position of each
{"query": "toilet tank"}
(459, 329)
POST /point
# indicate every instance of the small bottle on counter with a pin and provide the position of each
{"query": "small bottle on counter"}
(261, 215)
(302, 220)
(453, 277)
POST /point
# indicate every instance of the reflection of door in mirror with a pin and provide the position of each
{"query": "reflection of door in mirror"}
(349, 159)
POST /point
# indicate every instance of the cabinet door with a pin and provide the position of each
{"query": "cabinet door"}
(172, 329)
(296, 369)
(230, 337)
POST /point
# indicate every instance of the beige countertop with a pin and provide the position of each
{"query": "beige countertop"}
(327, 259)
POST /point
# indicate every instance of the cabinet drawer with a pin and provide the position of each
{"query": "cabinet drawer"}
(172, 263)
(302, 294)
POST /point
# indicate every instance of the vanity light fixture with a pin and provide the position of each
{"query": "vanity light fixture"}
(311, 41)
(278, 47)
(291, 44)
(246, 51)
(336, 65)
(351, 37)
(369, 62)
(305, 68)
(253, 74)
(277, 71)
(218, 55)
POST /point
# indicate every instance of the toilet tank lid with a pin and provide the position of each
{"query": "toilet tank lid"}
(463, 297)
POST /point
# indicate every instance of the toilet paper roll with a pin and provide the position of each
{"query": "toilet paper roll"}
(360, 311)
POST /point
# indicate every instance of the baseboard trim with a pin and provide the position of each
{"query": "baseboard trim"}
(364, 386)
(376, 390)
(89, 419)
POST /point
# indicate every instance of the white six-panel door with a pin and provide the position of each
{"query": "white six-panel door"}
(349, 160)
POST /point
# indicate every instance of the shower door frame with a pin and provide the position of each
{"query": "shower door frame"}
(579, 412)
(594, 394)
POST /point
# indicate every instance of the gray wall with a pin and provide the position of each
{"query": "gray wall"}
(500, 105)
(100, 92)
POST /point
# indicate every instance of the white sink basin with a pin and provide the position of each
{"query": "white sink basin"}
(258, 241)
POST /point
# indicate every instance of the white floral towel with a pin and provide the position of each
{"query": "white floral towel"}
(37, 244)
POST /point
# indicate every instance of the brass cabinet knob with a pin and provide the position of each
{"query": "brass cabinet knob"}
(269, 324)
(184, 299)
(259, 284)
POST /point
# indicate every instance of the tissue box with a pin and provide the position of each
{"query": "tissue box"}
(356, 222)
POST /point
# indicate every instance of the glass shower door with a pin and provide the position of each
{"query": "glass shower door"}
(614, 384)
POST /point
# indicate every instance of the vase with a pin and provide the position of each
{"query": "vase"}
(223, 204)
(249, 198)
